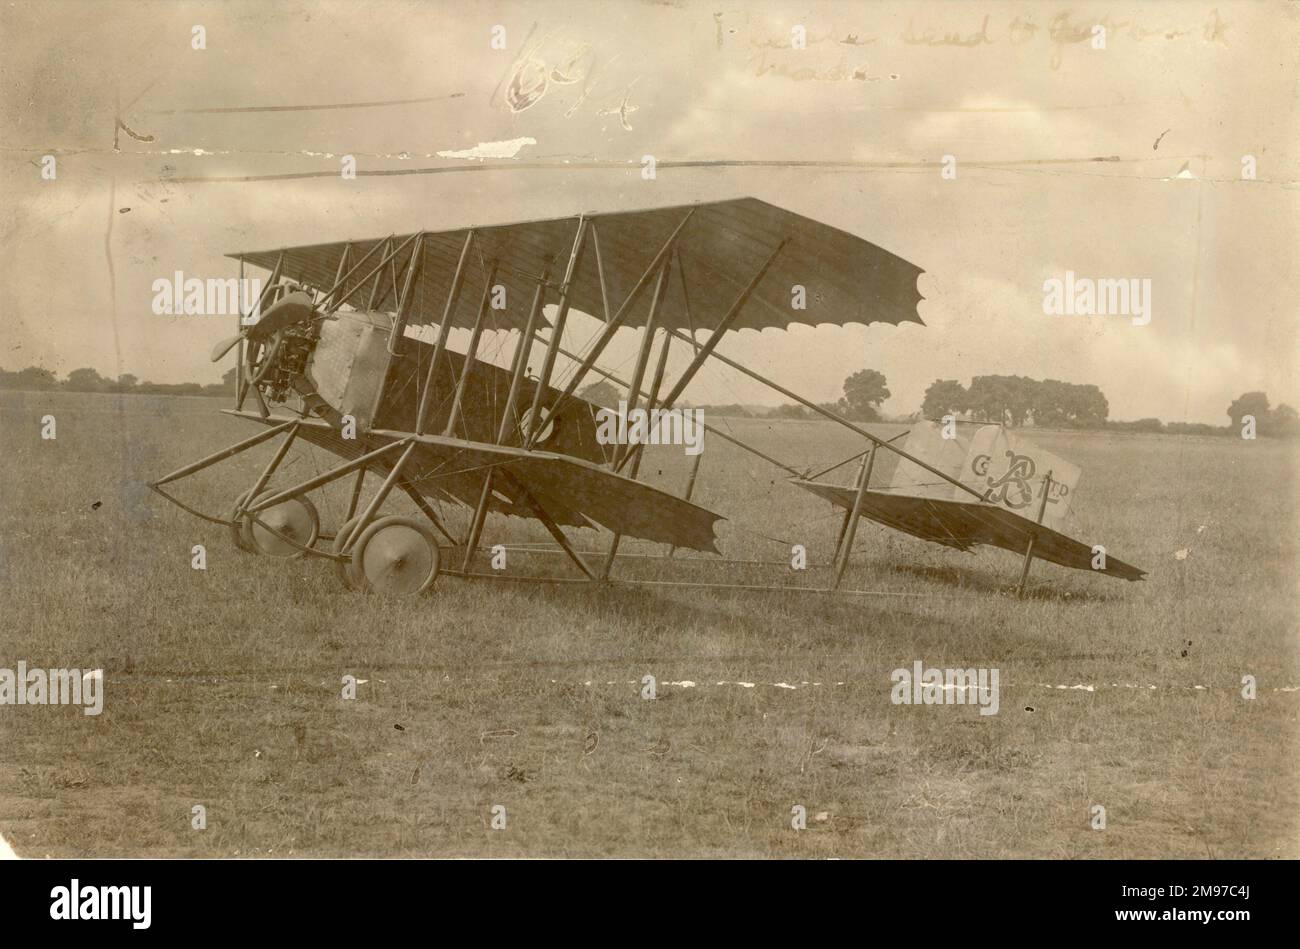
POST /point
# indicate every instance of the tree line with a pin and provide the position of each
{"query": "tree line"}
(1018, 400)
(1050, 403)
(1009, 400)
(38, 379)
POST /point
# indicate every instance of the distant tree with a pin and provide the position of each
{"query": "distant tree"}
(33, 377)
(1016, 400)
(1052, 401)
(225, 387)
(126, 382)
(999, 399)
(861, 413)
(730, 410)
(86, 380)
(1283, 420)
(1279, 421)
(1197, 428)
(1088, 408)
(789, 411)
(1250, 403)
(602, 393)
(943, 397)
(1022, 395)
(863, 393)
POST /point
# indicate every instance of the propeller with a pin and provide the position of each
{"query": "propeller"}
(290, 309)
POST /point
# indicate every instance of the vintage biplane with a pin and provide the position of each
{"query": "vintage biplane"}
(341, 359)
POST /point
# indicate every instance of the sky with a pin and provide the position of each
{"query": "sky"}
(1122, 162)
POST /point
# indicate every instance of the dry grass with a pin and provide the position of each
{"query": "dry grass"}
(223, 687)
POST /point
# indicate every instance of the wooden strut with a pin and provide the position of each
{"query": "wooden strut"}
(379, 277)
(420, 501)
(1029, 550)
(399, 324)
(355, 496)
(702, 353)
(338, 274)
(388, 256)
(535, 425)
(403, 306)
(643, 353)
(471, 351)
(311, 484)
(605, 373)
(856, 455)
(694, 466)
(607, 333)
(690, 490)
(444, 328)
(413, 267)
(876, 439)
(553, 528)
(239, 346)
(391, 286)
(359, 465)
(845, 549)
(634, 389)
(519, 365)
(725, 324)
(377, 501)
(848, 515)
(225, 453)
(635, 451)
(327, 300)
(269, 470)
(600, 271)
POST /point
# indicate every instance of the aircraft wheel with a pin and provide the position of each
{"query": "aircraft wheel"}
(295, 518)
(239, 527)
(397, 556)
(344, 568)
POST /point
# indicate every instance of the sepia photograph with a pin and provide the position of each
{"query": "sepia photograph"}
(649, 429)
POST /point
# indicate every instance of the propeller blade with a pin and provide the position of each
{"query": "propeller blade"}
(290, 309)
(226, 345)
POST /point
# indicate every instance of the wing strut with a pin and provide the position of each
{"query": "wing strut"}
(550, 524)
(519, 366)
(876, 439)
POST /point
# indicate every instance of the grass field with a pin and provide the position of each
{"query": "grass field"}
(223, 687)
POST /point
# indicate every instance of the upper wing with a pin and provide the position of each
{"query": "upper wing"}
(846, 279)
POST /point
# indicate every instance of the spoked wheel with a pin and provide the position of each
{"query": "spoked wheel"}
(296, 519)
(397, 556)
(344, 568)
